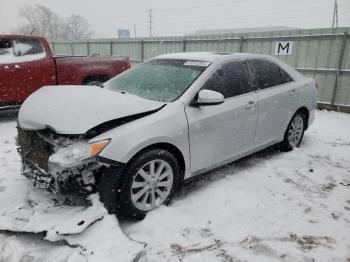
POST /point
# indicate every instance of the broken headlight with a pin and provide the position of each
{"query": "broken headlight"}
(77, 152)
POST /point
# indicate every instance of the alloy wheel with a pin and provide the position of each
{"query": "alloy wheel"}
(295, 131)
(152, 185)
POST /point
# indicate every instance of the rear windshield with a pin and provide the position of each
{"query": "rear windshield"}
(160, 79)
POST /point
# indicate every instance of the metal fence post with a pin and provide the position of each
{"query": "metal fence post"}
(88, 48)
(241, 44)
(53, 48)
(183, 45)
(339, 67)
(142, 50)
(71, 48)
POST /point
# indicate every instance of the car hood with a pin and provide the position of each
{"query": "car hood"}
(77, 109)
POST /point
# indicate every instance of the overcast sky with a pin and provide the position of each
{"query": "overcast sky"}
(184, 16)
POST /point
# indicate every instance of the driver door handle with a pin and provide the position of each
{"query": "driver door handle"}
(9, 68)
(251, 104)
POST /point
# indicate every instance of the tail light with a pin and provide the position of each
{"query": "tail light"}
(128, 64)
(317, 86)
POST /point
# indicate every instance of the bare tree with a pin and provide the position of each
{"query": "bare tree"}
(41, 20)
(78, 28)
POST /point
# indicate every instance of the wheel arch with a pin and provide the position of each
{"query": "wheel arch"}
(305, 113)
(171, 149)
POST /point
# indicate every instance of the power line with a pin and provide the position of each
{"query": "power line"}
(249, 18)
(190, 21)
(173, 9)
(252, 16)
(309, 25)
(303, 13)
(199, 6)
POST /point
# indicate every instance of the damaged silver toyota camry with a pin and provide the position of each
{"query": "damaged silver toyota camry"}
(136, 139)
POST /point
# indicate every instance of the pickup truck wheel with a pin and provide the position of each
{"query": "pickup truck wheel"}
(149, 181)
(294, 133)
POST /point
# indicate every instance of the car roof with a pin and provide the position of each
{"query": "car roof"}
(22, 36)
(210, 56)
(217, 58)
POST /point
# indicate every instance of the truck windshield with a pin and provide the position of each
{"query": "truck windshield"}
(160, 79)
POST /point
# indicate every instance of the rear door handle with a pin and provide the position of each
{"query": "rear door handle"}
(250, 105)
(9, 68)
(293, 92)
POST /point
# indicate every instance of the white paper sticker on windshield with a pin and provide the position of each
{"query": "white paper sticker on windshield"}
(196, 63)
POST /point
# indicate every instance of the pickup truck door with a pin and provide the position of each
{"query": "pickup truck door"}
(24, 68)
(224, 132)
(33, 68)
(7, 80)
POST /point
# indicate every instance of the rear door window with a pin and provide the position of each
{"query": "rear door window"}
(25, 47)
(266, 73)
(231, 79)
(286, 78)
(20, 50)
(6, 50)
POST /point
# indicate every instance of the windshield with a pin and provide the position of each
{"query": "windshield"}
(161, 79)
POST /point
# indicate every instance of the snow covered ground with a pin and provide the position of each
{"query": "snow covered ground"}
(272, 206)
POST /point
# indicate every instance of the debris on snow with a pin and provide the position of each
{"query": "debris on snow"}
(271, 206)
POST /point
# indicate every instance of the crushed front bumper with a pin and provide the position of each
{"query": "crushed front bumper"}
(36, 149)
(78, 179)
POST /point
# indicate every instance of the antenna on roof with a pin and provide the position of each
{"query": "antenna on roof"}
(32, 31)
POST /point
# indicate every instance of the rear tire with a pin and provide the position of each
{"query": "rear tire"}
(149, 180)
(294, 133)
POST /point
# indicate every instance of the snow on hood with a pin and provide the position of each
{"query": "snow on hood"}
(77, 109)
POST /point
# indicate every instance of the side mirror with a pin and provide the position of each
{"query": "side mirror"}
(209, 97)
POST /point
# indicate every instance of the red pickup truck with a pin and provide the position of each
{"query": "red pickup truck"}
(27, 63)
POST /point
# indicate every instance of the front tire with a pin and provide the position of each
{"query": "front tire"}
(294, 133)
(94, 83)
(149, 181)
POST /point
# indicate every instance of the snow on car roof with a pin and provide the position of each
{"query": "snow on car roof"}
(212, 57)
(207, 56)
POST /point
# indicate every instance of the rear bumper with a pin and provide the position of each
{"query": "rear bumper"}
(311, 117)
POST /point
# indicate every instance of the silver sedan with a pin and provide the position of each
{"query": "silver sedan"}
(168, 119)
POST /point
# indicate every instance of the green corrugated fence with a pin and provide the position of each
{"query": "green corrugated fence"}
(323, 54)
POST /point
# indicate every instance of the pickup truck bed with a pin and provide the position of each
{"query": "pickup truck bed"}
(69, 69)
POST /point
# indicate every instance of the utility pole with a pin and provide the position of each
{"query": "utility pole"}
(337, 77)
(134, 31)
(150, 22)
(335, 15)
